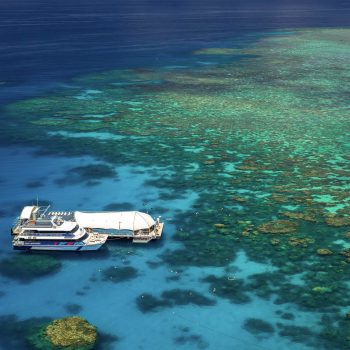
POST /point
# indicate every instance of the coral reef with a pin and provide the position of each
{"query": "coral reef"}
(169, 298)
(184, 297)
(72, 332)
(88, 174)
(324, 252)
(278, 226)
(194, 339)
(65, 333)
(300, 241)
(149, 303)
(118, 206)
(288, 316)
(218, 51)
(338, 221)
(232, 289)
(26, 267)
(12, 327)
(321, 290)
(118, 274)
(297, 334)
(260, 144)
(258, 327)
(32, 334)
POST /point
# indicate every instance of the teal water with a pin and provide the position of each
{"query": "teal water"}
(246, 159)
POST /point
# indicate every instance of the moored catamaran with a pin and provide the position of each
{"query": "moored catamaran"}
(38, 229)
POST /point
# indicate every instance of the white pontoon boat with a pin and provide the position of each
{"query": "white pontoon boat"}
(38, 229)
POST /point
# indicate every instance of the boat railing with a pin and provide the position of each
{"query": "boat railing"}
(42, 211)
(16, 221)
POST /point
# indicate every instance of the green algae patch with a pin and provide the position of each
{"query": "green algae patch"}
(278, 226)
(26, 267)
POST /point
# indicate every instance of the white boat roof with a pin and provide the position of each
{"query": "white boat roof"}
(26, 212)
(117, 220)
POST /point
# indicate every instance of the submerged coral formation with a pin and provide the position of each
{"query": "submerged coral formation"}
(118, 274)
(89, 174)
(338, 221)
(232, 289)
(184, 297)
(26, 267)
(169, 298)
(218, 51)
(195, 340)
(15, 333)
(278, 226)
(71, 333)
(258, 326)
(148, 303)
(324, 251)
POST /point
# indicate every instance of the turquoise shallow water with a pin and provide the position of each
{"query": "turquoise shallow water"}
(246, 160)
(111, 306)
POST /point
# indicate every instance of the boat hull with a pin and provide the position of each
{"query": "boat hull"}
(59, 248)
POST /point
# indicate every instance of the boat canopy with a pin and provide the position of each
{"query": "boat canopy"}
(125, 220)
(26, 212)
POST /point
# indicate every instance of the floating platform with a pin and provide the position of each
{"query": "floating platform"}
(135, 225)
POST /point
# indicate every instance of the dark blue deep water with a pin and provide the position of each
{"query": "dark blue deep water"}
(44, 42)
(45, 48)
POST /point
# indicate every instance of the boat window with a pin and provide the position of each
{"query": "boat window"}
(55, 233)
(86, 235)
(75, 229)
(48, 239)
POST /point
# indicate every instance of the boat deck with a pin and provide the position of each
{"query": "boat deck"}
(65, 215)
(140, 227)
